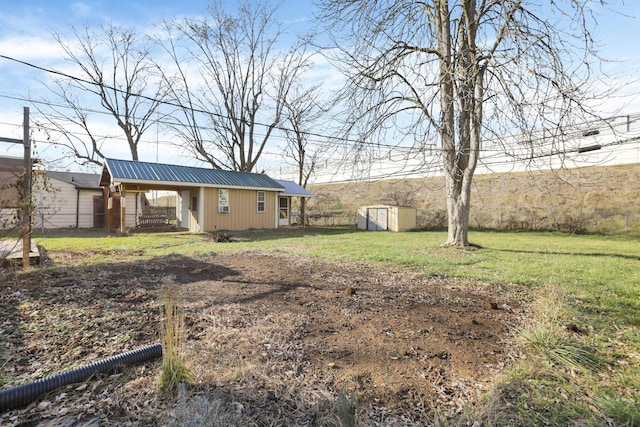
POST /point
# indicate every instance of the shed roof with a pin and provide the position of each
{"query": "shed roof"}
(293, 189)
(82, 181)
(132, 172)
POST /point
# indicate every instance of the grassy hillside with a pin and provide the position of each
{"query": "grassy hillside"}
(594, 199)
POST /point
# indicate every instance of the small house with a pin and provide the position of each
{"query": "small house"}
(58, 199)
(208, 199)
(291, 189)
(386, 217)
(68, 200)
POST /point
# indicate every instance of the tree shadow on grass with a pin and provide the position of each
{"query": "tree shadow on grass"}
(288, 232)
(573, 254)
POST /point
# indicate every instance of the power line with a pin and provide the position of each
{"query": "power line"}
(176, 105)
(498, 152)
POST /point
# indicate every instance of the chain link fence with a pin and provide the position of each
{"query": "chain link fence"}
(609, 221)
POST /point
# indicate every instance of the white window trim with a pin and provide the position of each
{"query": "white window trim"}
(263, 201)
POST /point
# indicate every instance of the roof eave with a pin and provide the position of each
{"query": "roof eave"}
(296, 195)
(175, 184)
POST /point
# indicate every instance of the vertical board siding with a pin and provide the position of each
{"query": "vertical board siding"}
(399, 218)
(56, 205)
(243, 211)
(406, 219)
(392, 223)
(85, 219)
(133, 208)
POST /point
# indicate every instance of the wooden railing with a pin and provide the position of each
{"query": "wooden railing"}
(152, 221)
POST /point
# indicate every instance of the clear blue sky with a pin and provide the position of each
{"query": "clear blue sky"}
(26, 26)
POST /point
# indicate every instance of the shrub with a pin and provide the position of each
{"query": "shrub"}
(433, 220)
(575, 223)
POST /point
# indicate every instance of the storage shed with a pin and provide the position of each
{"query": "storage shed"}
(386, 217)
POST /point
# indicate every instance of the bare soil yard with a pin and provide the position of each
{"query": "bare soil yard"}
(270, 340)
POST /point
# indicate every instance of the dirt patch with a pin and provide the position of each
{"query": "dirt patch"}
(270, 340)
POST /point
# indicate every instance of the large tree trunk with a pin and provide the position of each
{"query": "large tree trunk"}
(461, 84)
(454, 173)
(303, 203)
(458, 208)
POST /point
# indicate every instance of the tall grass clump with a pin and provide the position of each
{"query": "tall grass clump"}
(174, 371)
(547, 336)
(558, 347)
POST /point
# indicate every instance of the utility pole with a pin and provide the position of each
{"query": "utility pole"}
(26, 192)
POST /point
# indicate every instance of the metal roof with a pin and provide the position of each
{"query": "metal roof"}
(84, 181)
(127, 171)
(293, 189)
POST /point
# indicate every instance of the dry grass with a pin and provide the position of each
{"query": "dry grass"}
(267, 330)
(591, 199)
(173, 370)
(548, 337)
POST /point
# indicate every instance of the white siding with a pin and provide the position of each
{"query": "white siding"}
(61, 205)
(8, 218)
(85, 219)
(55, 206)
(133, 208)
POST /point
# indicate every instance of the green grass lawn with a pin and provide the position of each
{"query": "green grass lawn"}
(593, 282)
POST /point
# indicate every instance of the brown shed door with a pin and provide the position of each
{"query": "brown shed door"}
(114, 214)
(98, 212)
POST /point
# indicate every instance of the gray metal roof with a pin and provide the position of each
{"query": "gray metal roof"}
(127, 171)
(85, 181)
(293, 189)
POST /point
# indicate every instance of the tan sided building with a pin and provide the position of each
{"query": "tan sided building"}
(208, 199)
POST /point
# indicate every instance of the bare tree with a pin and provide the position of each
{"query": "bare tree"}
(116, 76)
(232, 82)
(302, 112)
(454, 73)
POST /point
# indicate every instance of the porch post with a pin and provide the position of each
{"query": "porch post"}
(277, 209)
(201, 209)
(123, 210)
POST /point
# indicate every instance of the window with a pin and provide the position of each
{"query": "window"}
(262, 201)
(223, 200)
(194, 203)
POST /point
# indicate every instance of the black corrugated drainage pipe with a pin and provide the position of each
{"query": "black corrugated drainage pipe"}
(24, 394)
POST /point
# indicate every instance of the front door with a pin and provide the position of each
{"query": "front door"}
(185, 212)
(283, 216)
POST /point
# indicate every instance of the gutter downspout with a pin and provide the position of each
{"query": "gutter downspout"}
(77, 208)
(277, 209)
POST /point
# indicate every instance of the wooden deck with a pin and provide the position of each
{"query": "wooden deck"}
(11, 250)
